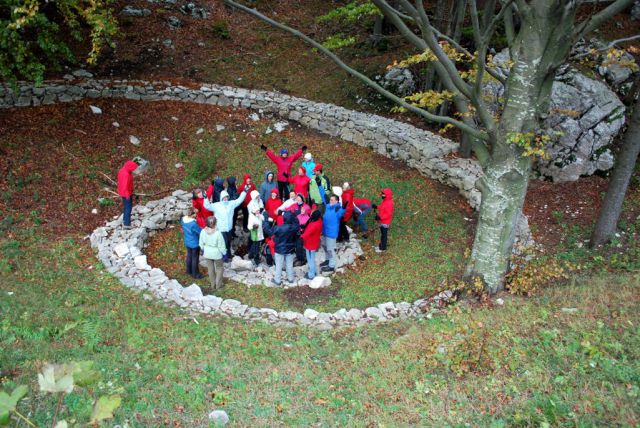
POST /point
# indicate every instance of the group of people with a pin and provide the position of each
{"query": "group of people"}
(288, 218)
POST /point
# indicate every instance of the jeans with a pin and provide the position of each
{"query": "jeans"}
(127, 204)
(283, 189)
(193, 258)
(254, 251)
(311, 261)
(329, 247)
(215, 268)
(227, 241)
(384, 229)
(362, 222)
(286, 259)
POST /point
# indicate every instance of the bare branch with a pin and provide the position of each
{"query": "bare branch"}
(488, 31)
(509, 28)
(427, 115)
(599, 18)
(397, 21)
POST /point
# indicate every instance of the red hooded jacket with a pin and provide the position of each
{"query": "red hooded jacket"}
(125, 179)
(385, 209)
(312, 234)
(272, 205)
(301, 183)
(283, 164)
(347, 196)
(203, 213)
(247, 198)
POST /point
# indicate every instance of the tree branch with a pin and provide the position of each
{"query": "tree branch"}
(429, 116)
(596, 20)
(509, 28)
(396, 19)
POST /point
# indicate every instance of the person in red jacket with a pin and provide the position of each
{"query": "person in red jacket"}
(384, 217)
(347, 203)
(272, 204)
(198, 204)
(247, 181)
(283, 163)
(125, 190)
(300, 183)
(311, 240)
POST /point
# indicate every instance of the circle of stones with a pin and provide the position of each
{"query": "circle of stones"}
(121, 252)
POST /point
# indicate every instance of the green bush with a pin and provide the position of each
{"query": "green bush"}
(202, 164)
(220, 29)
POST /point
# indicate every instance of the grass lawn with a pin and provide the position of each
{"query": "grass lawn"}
(526, 363)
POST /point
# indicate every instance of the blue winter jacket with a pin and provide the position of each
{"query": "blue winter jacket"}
(285, 235)
(308, 166)
(191, 232)
(331, 218)
(265, 187)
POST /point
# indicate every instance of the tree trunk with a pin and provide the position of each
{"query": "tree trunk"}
(377, 30)
(619, 181)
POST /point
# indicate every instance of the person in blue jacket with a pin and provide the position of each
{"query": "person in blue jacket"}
(223, 211)
(191, 232)
(330, 228)
(266, 186)
(285, 237)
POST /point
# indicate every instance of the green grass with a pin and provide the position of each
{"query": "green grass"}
(427, 239)
(522, 364)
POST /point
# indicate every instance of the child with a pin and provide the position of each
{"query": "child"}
(125, 190)
(202, 212)
(191, 232)
(213, 250)
(301, 183)
(267, 185)
(319, 180)
(384, 217)
(311, 239)
(247, 181)
(254, 224)
(283, 163)
(308, 164)
(272, 204)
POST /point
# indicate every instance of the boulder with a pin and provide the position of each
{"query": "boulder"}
(134, 11)
(400, 81)
(219, 418)
(121, 249)
(320, 282)
(192, 292)
(239, 264)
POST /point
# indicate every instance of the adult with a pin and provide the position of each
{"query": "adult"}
(223, 211)
(191, 232)
(266, 186)
(300, 183)
(247, 181)
(384, 217)
(213, 249)
(308, 164)
(214, 190)
(311, 240)
(362, 207)
(232, 190)
(330, 228)
(283, 163)
(125, 190)
(319, 180)
(285, 236)
(198, 204)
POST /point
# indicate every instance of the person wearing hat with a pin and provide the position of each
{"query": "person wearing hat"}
(223, 211)
(283, 163)
(308, 164)
(191, 231)
(319, 180)
(384, 217)
(125, 190)
(198, 204)
(267, 185)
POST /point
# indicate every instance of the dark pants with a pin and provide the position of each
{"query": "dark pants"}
(254, 251)
(235, 218)
(301, 254)
(283, 189)
(383, 237)
(227, 241)
(245, 218)
(343, 233)
(127, 206)
(193, 258)
(268, 256)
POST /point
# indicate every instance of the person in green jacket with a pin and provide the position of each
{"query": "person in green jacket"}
(213, 250)
(319, 179)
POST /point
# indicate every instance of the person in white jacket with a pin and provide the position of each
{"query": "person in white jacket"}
(256, 235)
(223, 211)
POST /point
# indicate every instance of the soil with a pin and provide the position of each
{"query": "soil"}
(304, 296)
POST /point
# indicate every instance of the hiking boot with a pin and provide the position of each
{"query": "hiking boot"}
(327, 268)
(324, 263)
(198, 276)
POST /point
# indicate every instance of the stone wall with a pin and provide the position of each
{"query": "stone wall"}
(420, 149)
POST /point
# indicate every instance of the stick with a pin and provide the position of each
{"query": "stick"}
(108, 178)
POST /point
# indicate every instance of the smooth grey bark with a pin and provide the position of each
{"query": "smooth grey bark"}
(607, 222)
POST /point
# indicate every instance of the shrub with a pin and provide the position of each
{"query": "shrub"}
(220, 29)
